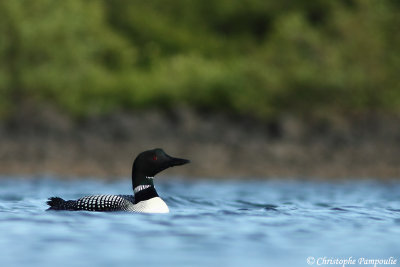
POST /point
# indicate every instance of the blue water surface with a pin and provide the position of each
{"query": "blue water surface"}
(211, 223)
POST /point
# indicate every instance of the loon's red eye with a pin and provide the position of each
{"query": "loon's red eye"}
(154, 157)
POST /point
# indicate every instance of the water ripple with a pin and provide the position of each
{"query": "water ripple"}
(210, 223)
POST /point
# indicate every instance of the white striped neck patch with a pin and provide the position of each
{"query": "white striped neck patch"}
(141, 187)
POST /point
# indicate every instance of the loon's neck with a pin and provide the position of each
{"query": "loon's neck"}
(143, 185)
(144, 192)
(146, 197)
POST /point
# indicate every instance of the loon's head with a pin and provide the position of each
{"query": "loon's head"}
(148, 163)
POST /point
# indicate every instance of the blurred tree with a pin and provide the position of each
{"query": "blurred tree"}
(60, 51)
(254, 57)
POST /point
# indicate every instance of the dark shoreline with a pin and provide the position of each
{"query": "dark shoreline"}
(45, 141)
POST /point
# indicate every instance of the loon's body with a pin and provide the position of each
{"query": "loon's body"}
(145, 199)
(110, 203)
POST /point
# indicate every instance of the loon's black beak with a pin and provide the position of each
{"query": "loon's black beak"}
(177, 161)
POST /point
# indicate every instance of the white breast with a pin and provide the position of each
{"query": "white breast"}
(153, 205)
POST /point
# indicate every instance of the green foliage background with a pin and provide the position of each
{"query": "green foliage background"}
(250, 57)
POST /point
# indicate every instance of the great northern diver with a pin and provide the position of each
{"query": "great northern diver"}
(145, 199)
